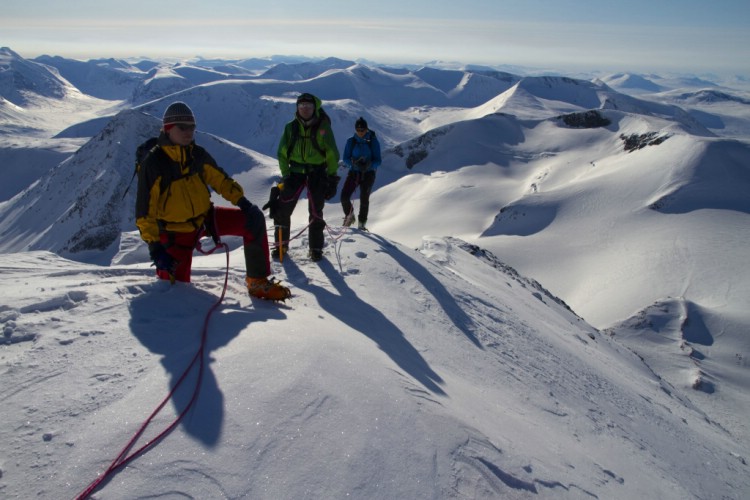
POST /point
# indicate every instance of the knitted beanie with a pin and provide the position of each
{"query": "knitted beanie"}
(306, 98)
(178, 112)
(361, 123)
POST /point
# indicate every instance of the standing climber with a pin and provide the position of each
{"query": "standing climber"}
(362, 156)
(308, 157)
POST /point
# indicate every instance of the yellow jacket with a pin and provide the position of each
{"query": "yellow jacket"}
(173, 192)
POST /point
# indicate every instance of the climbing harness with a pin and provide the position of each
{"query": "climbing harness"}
(334, 235)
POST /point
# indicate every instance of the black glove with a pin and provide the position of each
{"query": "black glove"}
(332, 186)
(255, 221)
(273, 201)
(161, 258)
(362, 163)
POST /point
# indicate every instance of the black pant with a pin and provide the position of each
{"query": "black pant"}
(316, 181)
(363, 180)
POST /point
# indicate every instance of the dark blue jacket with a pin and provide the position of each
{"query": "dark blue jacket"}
(366, 147)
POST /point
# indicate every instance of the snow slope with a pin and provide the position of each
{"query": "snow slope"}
(469, 382)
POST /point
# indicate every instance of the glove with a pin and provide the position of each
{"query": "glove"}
(363, 163)
(332, 186)
(161, 258)
(255, 221)
(273, 201)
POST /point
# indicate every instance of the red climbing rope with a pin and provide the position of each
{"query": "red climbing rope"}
(124, 458)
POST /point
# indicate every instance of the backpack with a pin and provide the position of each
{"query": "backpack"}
(323, 118)
(140, 154)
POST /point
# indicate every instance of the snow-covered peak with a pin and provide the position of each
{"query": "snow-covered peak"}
(102, 78)
(631, 82)
(21, 78)
(304, 70)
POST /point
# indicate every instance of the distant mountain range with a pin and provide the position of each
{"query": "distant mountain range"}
(615, 186)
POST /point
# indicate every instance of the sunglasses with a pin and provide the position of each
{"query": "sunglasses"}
(185, 127)
(360, 129)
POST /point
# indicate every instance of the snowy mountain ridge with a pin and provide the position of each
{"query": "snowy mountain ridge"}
(21, 79)
(572, 324)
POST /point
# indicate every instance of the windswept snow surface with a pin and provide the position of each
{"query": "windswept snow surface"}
(391, 373)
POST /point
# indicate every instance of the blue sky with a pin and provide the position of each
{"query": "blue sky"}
(637, 35)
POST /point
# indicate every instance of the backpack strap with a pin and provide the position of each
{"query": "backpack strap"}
(322, 117)
(367, 139)
(172, 171)
(293, 137)
(143, 150)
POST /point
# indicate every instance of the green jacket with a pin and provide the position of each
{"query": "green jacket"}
(303, 151)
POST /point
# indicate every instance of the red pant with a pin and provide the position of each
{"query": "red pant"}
(228, 222)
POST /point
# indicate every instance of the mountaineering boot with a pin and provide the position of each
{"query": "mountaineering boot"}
(349, 219)
(278, 251)
(266, 289)
(361, 225)
(316, 254)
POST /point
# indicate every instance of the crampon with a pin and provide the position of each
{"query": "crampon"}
(266, 289)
